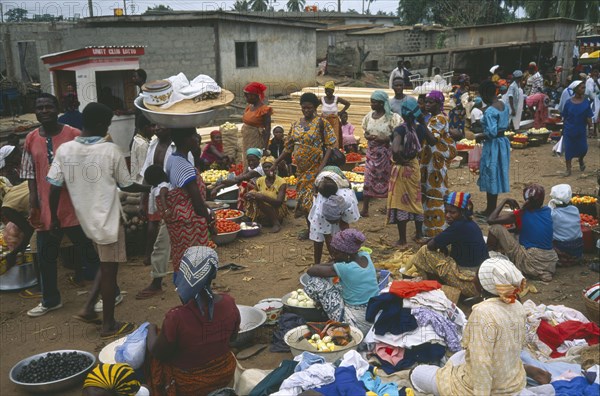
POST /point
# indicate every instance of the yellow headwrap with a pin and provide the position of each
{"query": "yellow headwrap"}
(270, 159)
(329, 85)
(119, 378)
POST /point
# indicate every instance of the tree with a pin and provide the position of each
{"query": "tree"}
(259, 5)
(295, 5)
(588, 11)
(241, 6)
(158, 9)
(16, 15)
(455, 12)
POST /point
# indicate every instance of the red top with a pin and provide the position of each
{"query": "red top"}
(199, 340)
(407, 289)
(35, 165)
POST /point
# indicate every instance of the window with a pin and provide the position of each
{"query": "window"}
(115, 89)
(246, 54)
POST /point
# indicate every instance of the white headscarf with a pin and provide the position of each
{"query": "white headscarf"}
(340, 181)
(567, 94)
(560, 194)
(499, 276)
(5, 152)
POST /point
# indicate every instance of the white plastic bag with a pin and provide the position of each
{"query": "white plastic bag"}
(133, 350)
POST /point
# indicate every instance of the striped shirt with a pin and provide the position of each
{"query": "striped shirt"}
(180, 171)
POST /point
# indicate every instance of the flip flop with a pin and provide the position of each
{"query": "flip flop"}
(146, 294)
(27, 293)
(93, 320)
(125, 328)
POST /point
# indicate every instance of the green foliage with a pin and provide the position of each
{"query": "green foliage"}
(259, 5)
(295, 5)
(16, 15)
(241, 6)
(157, 9)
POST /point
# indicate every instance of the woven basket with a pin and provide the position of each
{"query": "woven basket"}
(593, 309)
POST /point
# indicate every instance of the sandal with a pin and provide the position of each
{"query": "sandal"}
(93, 319)
(27, 293)
(124, 329)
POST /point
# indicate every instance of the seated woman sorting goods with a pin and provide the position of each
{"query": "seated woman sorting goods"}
(246, 180)
(533, 253)
(347, 300)
(213, 154)
(493, 338)
(455, 266)
(566, 224)
(190, 354)
(113, 379)
(266, 204)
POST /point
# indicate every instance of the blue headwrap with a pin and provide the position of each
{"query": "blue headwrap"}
(254, 151)
(477, 100)
(410, 108)
(382, 96)
(197, 269)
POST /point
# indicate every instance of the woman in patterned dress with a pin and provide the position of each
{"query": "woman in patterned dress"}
(310, 142)
(187, 217)
(257, 119)
(435, 159)
(379, 124)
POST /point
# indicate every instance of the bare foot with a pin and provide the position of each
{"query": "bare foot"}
(421, 241)
(401, 246)
(275, 229)
(364, 213)
(566, 174)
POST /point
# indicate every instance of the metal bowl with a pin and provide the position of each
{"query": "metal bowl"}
(237, 219)
(309, 314)
(225, 238)
(295, 340)
(176, 120)
(53, 386)
(231, 203)
(19, 277)
(251, 319)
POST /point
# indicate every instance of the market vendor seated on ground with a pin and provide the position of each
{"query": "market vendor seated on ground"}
(113, 379)
(533, 253)
(266, 203)
(347, 300)
(190, 354)
(566, 224)
(454, 255)
(213, 154)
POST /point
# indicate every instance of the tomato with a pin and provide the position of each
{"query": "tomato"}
(226, 226)
(353, 157)
(228, 214)
(291, 194)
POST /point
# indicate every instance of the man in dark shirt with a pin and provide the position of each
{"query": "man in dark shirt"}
(276, 147)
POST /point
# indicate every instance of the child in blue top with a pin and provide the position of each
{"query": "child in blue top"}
(347, 300)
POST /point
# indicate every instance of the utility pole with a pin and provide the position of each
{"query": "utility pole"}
(339, 5)
(125, 7)
(1, 13)
(91, 8)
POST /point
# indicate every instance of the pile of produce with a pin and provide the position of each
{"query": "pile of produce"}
(299, 298)
(518, 145)
(465, 144)
(326, 336)
(53, 367)
(291, 194)
(213, 176)
(588, 220)
(229, 131)
(359, 169)
(584, 200)
(249, 226)
(358, 187)
(353, 157)
(538, 131)
(228, 214)
(226, 226)
(291, 180)
(134, 223)
(400, 262)
(323, 345)
(238, 169)
(354, 177)
(509, 134)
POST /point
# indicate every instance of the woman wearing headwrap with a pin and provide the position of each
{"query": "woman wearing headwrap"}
(347, 300)
(533, 253)
(493, 338)
(539, 102)
(566, 223)
(329, 110)
(190, 219)
(454, 255)
(191, 355)
(404, 202)
(266, 203)
(378, 125)
(112, 380)
(257, 119)
(495, 153)
(309, 142)
(213, 151)
(576, 114)
(435, 158)
(534, 80)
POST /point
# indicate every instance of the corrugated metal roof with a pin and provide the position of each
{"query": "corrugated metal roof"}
(358, 26)
(392, 29)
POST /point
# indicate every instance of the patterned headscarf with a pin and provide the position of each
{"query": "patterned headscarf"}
(118, 378)
(534, 193)
(348, 241)
(339, 180)
(499, 276)
(257, 89)
(197, 269)
(329, 85)
(270, 159)
(255, 152)
(382, 96)
(460, 200)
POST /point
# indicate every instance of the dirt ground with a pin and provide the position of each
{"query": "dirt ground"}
(275, 262)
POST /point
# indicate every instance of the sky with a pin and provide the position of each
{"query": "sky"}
(70, 8)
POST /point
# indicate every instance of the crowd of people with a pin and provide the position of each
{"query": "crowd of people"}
(410, 145)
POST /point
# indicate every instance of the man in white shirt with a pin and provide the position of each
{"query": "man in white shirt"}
(592, 92)
(476, 115)
(514, 98)
(397, 72)
(139, 146)
(93, 169)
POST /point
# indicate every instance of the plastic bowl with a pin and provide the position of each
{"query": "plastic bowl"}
(295, 340)
(272, 307)
(309, 314)
(250, 233)
(225, 238)
(176, 120)
(53, 386)
(251, 319)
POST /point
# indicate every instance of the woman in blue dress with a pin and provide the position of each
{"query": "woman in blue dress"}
(576, 113)
(495, 155)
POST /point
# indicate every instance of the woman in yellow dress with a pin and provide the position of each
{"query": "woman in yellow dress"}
(266, 204)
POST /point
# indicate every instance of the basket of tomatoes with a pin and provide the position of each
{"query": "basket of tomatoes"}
(588, 220)
(229, 214)
(227, 231)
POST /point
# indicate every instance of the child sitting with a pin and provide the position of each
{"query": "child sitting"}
(566, 225)
(157, 178)
(334, 207)
(348, 139)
